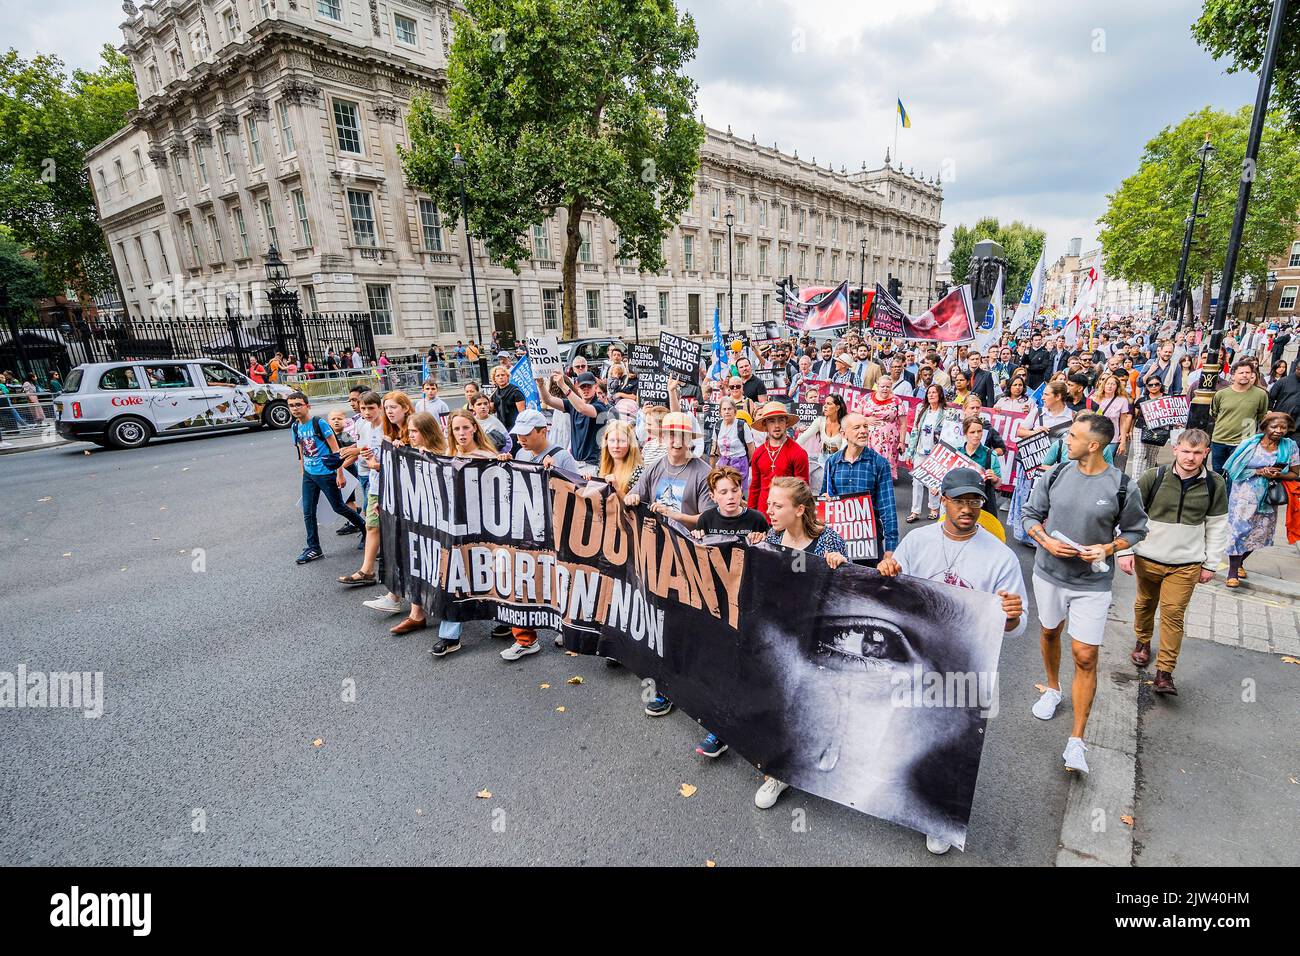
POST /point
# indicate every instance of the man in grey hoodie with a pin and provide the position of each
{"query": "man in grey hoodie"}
(1079, 514)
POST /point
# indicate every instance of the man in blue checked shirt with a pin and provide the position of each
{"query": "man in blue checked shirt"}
(856, 469)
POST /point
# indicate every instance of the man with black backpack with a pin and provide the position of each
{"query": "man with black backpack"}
(1187, 510)
(318, 454)
(1073, 515)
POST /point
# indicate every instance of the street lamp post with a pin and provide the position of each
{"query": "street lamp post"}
(460, 167)
(862, 282)
(930, 292)
(731, 310)
(1269, 285)
(284, 304)
(1205, 152)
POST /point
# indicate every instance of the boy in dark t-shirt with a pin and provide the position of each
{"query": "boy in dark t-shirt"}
(729, 517)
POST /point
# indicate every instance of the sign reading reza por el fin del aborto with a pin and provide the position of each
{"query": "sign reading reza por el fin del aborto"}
(679, 356)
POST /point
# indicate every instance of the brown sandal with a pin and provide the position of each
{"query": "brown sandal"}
(409, 625)
(357, 579)
(912, 517)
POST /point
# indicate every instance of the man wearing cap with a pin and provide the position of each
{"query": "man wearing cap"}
(586, 413)
(856, 469)
(777, 457)
(533, 444)
(959, 552)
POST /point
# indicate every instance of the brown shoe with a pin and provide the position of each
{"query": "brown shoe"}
(1164, 683)
(409, 625)
(1141, 655)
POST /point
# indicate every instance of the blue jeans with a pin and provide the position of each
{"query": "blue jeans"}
(313, 486)
(1219, 455)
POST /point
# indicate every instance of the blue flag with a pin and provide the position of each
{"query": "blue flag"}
(521, 376)
(1037, 394)
(719, 350)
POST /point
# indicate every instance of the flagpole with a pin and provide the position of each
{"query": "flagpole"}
(898, 98)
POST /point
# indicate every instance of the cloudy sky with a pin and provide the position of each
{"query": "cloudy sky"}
(1034, 110)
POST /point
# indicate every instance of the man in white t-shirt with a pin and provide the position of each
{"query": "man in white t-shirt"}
(957, 551)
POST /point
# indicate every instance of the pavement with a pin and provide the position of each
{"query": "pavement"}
(255, 713)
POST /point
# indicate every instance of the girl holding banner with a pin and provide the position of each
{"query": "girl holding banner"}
(920, 442)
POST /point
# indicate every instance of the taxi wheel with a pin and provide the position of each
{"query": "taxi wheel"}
(129, 432)
(277, 415)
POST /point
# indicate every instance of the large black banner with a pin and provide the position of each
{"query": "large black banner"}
(869, 691)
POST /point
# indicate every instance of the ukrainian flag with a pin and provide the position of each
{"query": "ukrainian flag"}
(902, 115)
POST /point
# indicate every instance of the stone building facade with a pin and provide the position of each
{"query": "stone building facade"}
(277, 122)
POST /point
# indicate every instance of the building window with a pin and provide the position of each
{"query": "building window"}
(785, 261)
(103, 184)
(155, 78)
(715, 254)
(330, 9)
(139, 165)
(783, 217)
(445, 301)
(304, 225)
(176, 171)
(817, 266)
(242, 228)
(721, 304)
(803, 220)
(363, 218)
(688, 252)
(215, 235)
(381, 309)
(162, 253)
(347, 124)
(144, 261)
(744, 307)
(309, 293)
(584, 250)
(742, 248)
(201, 157)
(225, 154)
(268, 222)
(835, 265)
(593, 309)
(231, 24)
(1288, 297)
(715, 207)
(1295, 255)
(762, 212)
(431, 225)
(541, 241)
(194, 245)
(405, 30)
(741, 211)
(254, 141)
(663, 310)
(818, 220)
(803, 265)
(767, 303)
(126, 263)
(266, 15)
(550, 310)
(121, 177)
(178, 64)
(762, 257)
(286, 130)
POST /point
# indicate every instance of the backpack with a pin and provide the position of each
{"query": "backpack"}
(331, 460)
(1160, 477)
(1121, 496)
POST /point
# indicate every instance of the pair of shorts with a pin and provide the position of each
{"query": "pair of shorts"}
(372, 511)
(1086, 610)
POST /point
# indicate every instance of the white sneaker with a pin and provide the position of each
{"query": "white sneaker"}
(516, 651)
(1045, 708)
(936, 846)
(385, 605)
(768, 793)
(1073, 756)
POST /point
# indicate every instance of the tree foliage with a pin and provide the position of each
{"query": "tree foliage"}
(21, 280)
(1021, 243)
(48, 123)
(1143, 226)
(1238, 29)
(575, 104)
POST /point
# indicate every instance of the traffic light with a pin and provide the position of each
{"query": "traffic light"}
(855, 300)
(895, 288)
(629, 308)
(642, 313)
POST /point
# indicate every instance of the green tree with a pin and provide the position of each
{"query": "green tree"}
(48, 123)
(21, 280)
(1238, 29)
(579, 105)
(1143, 225)
(1021, 244)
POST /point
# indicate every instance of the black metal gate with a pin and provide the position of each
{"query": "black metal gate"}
(235, 340)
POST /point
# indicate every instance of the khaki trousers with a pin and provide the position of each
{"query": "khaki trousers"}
(1167, 587)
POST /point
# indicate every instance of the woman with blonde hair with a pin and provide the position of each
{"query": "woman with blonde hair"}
(423, 433)
(1110, 399)
(397, 408)
(468, 440)
(620, 456)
